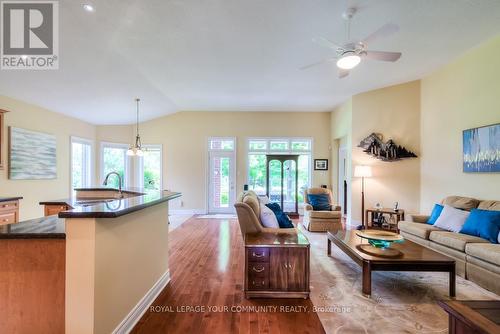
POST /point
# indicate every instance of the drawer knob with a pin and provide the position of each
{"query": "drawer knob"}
(258, 270)
(258, 254)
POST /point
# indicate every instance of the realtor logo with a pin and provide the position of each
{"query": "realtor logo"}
(29, 35)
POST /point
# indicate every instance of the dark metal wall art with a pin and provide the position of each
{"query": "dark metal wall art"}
(389, 151)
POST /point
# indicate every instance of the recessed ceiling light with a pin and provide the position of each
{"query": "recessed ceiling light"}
(88, 8)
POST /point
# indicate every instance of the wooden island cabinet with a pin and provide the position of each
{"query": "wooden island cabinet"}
(277, 266)
(9, 210)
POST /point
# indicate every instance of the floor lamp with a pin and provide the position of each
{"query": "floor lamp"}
(362, 172)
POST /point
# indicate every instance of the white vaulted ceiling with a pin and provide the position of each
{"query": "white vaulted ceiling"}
(237, 55)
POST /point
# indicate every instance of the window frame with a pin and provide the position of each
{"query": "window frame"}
(140, 166)
(91, 163)
(288, 151)
(127, 168)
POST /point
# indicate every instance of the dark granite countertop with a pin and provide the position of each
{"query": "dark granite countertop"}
(112, 208)
(50, 227)
(11, 198)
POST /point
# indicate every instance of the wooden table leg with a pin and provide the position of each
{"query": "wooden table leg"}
(452, 282)
(367, 279)
(329, 247)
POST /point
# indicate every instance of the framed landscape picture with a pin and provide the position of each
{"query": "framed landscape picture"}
(320, 164)
(481, 149)
(32, 155)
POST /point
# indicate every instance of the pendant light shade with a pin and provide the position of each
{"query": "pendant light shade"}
(136, 149)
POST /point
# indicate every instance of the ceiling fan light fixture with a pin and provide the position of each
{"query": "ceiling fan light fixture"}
(348, 61)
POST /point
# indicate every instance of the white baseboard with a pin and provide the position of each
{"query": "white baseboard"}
(142, 306)
(187, 211)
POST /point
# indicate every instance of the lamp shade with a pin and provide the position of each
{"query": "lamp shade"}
(362, 171)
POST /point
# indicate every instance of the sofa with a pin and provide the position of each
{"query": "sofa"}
(248, 210)
(477, 259)
(321, 221)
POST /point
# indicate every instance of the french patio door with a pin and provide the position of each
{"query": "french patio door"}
(221, 182)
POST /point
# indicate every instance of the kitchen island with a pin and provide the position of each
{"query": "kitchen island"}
(115, 258)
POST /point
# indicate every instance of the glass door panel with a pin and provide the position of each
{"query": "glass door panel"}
(275, 181)
(289, 185)
(221, 182)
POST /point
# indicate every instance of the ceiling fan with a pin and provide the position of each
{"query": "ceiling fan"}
(350, 54)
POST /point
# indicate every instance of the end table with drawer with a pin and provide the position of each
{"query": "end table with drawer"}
(276, 265)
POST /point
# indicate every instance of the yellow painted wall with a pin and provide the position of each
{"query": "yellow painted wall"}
(184, 137)
(28, 116)
(341, 136)
(395, 113)
(462, 95)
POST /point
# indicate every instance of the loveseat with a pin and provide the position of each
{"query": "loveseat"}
(477, 259)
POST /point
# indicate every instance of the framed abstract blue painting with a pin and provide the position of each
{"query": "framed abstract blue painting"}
(481, 147)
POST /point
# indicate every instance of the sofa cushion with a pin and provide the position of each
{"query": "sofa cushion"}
(454, 240)
(319, 202)
(484, 251)
(252, 200)
(325, 214)
(267, 217)
(283, 220)
(436, 212)
(459, 202)
(489, 205)
(418, 229)
(451, 219)
(484, 224)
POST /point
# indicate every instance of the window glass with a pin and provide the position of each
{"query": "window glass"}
(257, 145)
(278, 145)
(81, 153)
(152, 168)
(257, 173)
(114, 160)
(222, 144)
(304, 145)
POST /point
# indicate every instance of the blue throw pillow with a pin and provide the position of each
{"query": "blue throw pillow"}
(283, 220)
(484, 224)
(435, 214)
(320, 202)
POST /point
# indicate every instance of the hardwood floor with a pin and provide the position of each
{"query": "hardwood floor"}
(206, 268)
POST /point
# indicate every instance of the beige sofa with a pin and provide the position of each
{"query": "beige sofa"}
(477, 259)
(248, 210)
(321, 221)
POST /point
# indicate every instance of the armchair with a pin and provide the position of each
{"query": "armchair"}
(320, 221)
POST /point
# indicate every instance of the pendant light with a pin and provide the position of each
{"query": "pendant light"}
(136, 150)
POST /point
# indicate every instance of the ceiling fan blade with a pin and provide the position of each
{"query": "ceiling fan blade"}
(326, 43)
(324, 61)
(383, 55)
(383, 31)
(343, 73)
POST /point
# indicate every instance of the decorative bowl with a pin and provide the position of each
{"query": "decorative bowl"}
(380, 239)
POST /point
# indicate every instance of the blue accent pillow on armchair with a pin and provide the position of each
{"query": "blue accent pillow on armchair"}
(283, 220)
(436, 212)
(484, 224)
(320, 202)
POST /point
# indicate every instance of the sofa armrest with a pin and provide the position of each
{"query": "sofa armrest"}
(418, 218)
(308, 207)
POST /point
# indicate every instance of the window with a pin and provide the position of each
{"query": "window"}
(221, 144)
(259, 147)
(151, 167)
(81, 163)
(114, 159)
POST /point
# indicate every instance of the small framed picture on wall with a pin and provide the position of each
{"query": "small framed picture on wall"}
(320, 164)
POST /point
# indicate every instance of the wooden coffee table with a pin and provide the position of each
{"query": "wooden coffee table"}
(413, 258)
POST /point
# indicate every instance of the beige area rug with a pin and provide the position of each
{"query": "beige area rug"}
(402, 302)
(177, 220)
